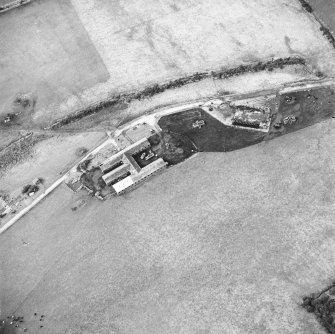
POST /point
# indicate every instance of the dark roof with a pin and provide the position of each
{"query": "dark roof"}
(116, 173)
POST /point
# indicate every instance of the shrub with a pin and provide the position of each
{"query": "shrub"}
(306, 6)
(81, 151)
(26, 189)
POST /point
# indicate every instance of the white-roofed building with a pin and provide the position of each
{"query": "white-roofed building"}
(123, 184)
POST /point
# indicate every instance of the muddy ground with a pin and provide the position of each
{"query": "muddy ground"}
(213, 136)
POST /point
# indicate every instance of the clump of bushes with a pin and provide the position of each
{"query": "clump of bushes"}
(30, 188)
(323, 307)
(306, 6)
(83, 166)
(328, 35)
(319, 74)
(260, 66)
(159, 88)
(325, 31)
(81, 151)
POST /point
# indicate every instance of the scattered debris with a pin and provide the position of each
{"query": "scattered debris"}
(289, 119)
(199, 123)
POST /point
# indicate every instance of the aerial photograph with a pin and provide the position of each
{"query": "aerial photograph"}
(167, 166)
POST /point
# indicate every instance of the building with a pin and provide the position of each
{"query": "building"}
(4, 207)
(139, 131)
(112, 163)
(116, 174)
(122, 171)
(125, 157)
(134, 179)
(73, 181)
(123, 185)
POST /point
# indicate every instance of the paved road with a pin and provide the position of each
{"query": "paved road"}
(47, 191)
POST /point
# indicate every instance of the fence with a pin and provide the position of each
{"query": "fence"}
(13, 4)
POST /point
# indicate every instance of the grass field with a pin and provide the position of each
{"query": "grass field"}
(324, 9)
(45, 50)
(72, 53)
(224, 243)
(47, 159)
(109, 118)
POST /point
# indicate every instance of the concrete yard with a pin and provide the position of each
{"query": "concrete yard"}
(223, 243)
(70, 53)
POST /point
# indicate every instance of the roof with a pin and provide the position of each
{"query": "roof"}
(140, 131)
(110, 162)
(123, 184)
(138, 146)
(154, 166)
(115, 173)
(73, 181)
(133, 162)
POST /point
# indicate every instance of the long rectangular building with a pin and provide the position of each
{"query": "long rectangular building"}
(116, 174)
(134, 179)
(125, 157)
(111, 163)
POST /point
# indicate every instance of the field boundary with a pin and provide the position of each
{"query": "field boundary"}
(323, 28)
(154, 89)
(13, 4)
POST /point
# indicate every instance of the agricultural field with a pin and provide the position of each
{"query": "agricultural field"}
(111, 117)
(46, 53)
(65, 55)
(225, 243)
(228, 242)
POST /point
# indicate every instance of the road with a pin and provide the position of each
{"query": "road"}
(48, 190)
